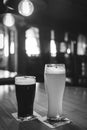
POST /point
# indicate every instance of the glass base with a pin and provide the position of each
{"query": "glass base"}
(54, 122)
(57, 118)
(29, 118)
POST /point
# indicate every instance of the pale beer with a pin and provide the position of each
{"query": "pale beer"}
(54, 76)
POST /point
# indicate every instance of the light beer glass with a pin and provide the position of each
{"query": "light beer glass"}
(54, 76)
(25, 92)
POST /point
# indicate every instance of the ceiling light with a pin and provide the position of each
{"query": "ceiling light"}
(8, 20)
(25, 7)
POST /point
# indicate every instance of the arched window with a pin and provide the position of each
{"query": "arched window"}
(81, 45)
(1, 38)
(32, 43)
(53, 50)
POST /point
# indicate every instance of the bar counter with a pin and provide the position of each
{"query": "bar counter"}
(74, 108)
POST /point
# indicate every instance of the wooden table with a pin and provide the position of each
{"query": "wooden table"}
(74, 107)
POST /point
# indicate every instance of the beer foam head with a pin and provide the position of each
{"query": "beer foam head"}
(25, 80)
(55, 69)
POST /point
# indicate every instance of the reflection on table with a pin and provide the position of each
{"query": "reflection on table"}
(74, 108)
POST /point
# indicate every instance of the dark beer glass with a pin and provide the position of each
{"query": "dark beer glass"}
(25, 93)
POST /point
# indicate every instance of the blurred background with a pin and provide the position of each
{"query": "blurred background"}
(36, 32)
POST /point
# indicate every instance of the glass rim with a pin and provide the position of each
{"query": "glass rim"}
(24, 80)
(25, 76)
(58, 64)
(55, 68)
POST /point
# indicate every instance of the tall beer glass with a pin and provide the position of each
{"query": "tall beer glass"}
(25, 93)
(54, 76)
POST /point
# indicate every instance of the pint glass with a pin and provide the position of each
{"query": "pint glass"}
(54, 76)
(25, 93)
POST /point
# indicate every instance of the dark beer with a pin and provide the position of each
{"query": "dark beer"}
(25, 93)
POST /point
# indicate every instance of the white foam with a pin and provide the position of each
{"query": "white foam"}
(25, 80)
(55, 69)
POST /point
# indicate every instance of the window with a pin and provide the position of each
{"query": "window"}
(63, 47)
(53, 50)
(1, 39)
(12, 42)
(81, 45)
(32, 43)
(6, 44)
